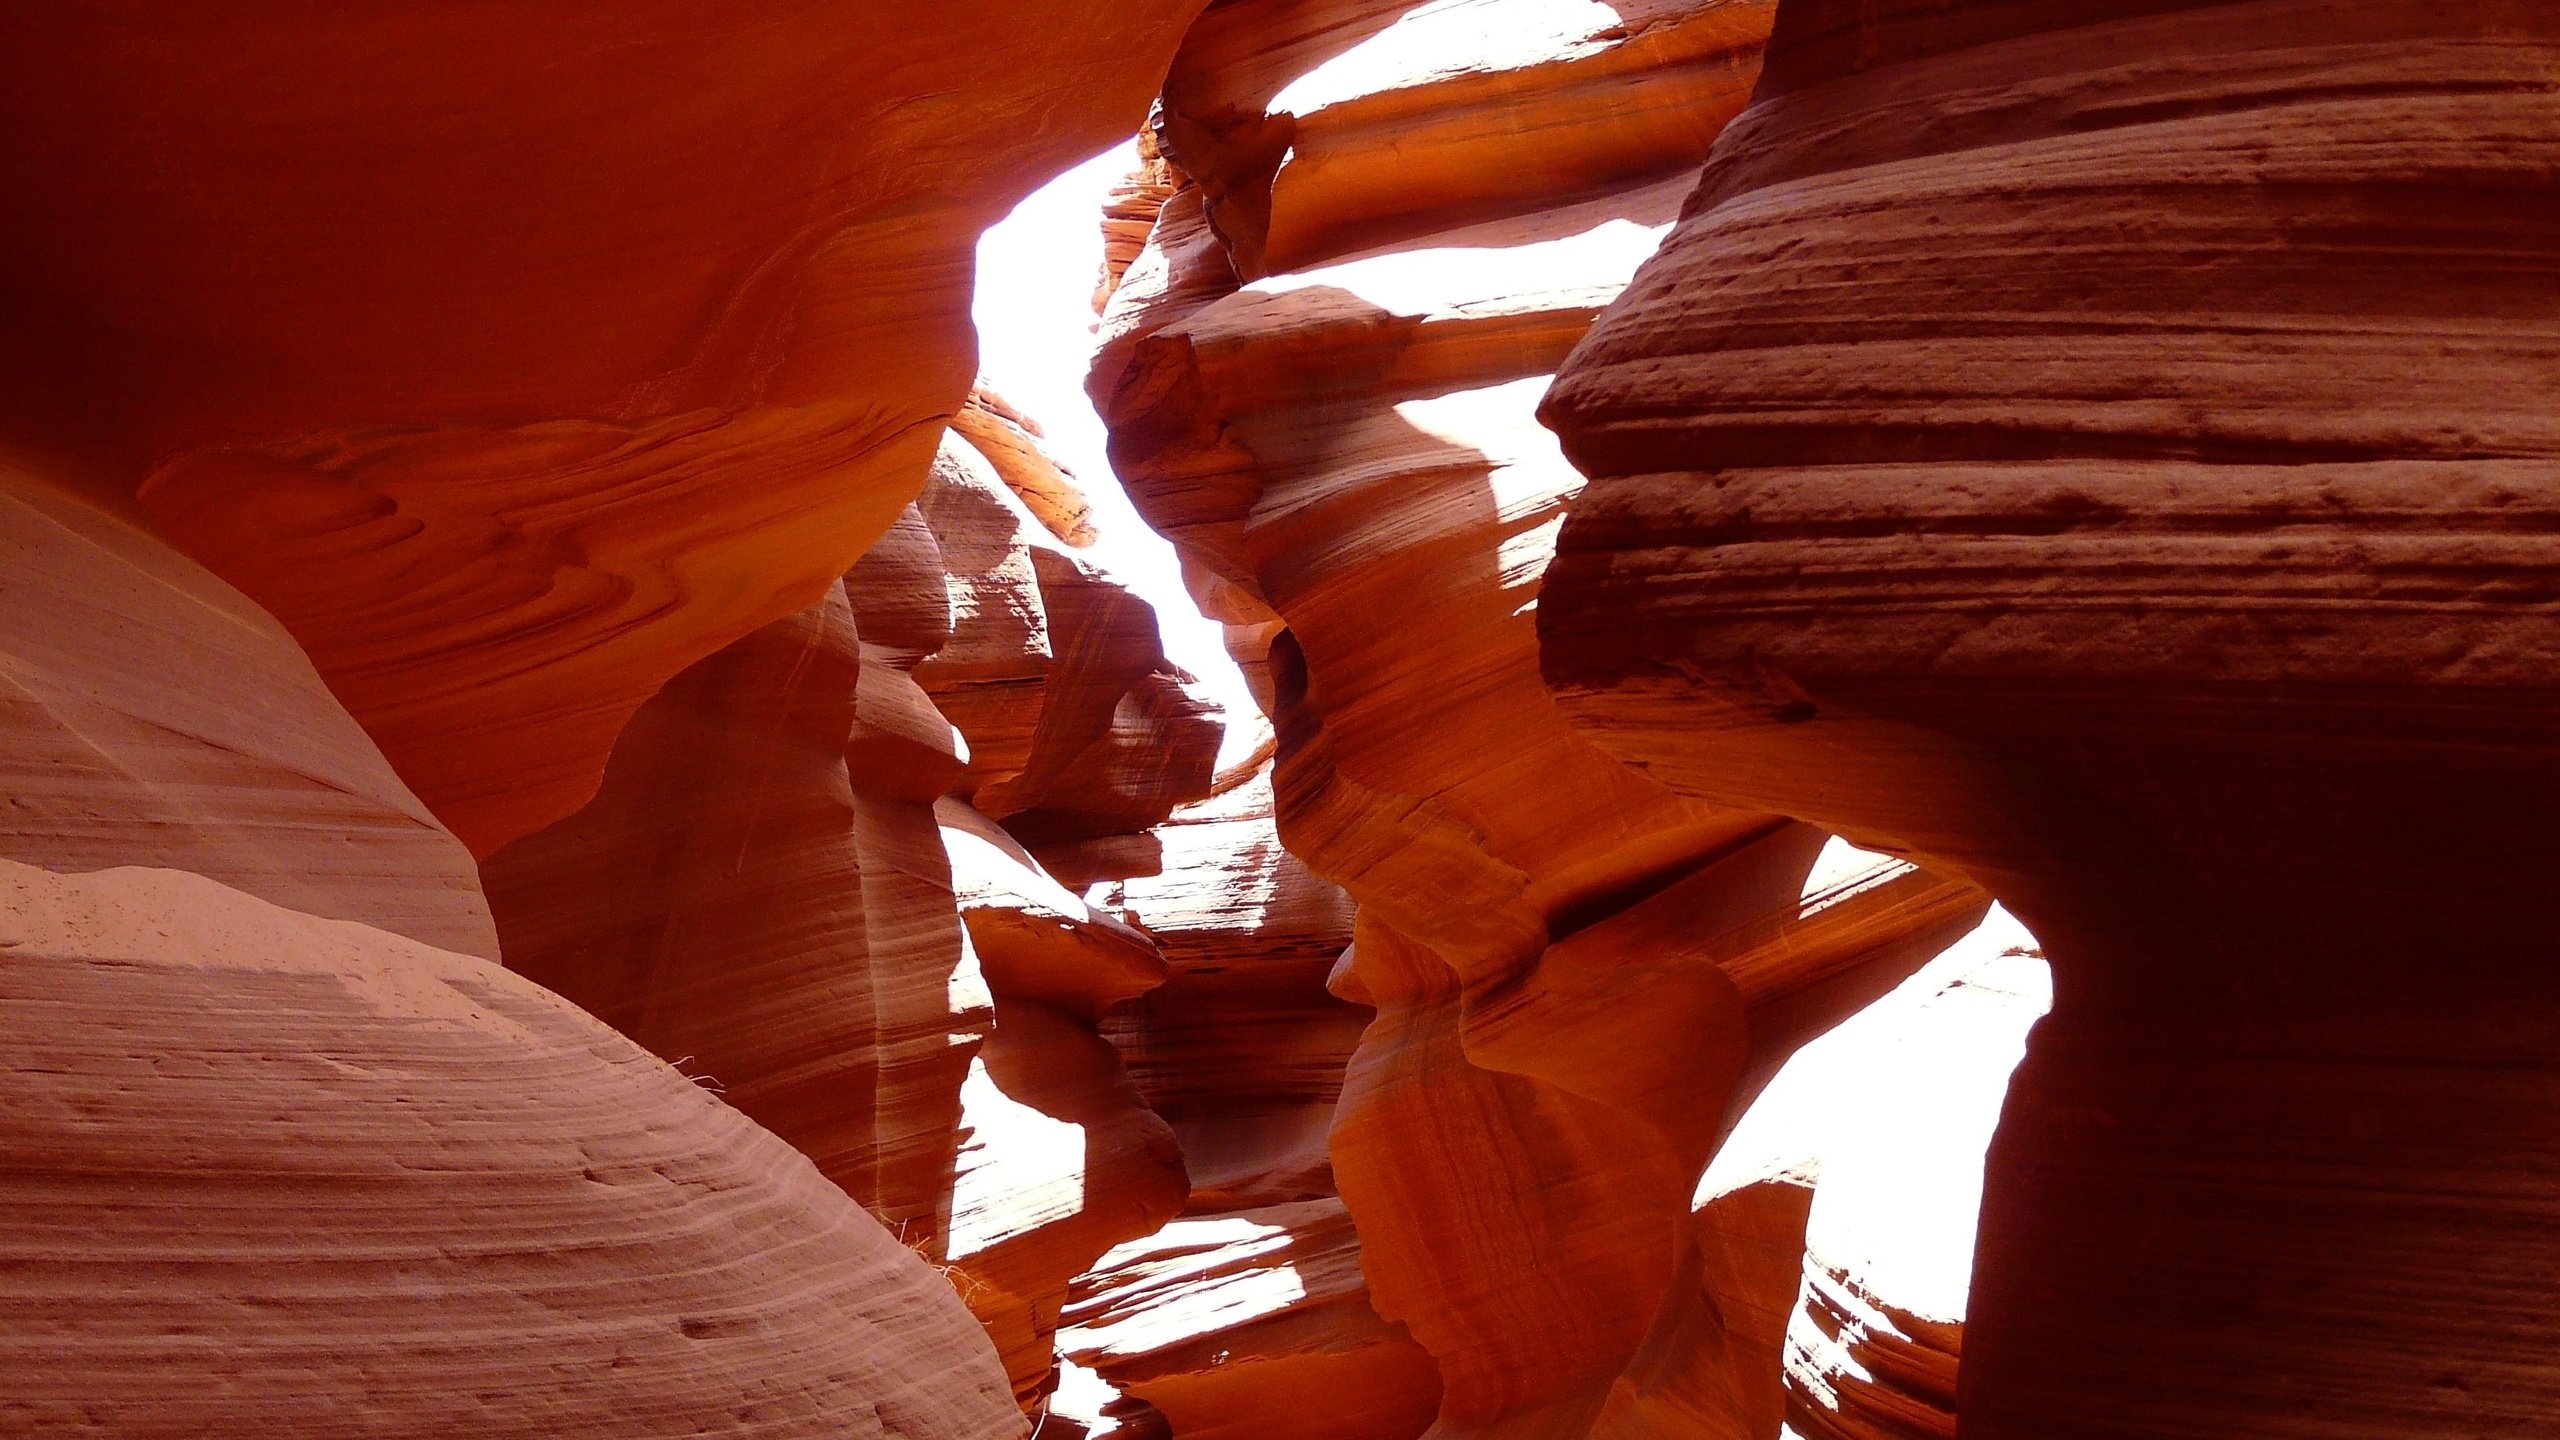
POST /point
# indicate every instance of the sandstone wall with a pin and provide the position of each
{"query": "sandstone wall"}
(2102, 450)
(391, 403)
(1382, 228)
(515, 361)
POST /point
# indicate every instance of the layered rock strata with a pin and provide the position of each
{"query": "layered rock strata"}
(297, 1170)
(1883, 1123)
(1320, 378)
(787, 883)
(150, 715)
(1249, 1316)
(268, 1174)
(2102, 451)
(508, 382)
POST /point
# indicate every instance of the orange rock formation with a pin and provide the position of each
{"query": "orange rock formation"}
(1250, 1316)
(151, 715)
(270, 1173)
(502, 368)
(517, 361)
(498, 501)
(2103, 450)
(787, 883)
(1321, 378)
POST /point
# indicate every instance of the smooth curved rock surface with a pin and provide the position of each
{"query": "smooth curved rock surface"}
(151, 715)
(1251, 1324)
(517, 361)
(777, 887)
(1321, 380)
(2103, 451)
(267, 1174)
(1884, 1122)
(1242, 1048)
(1078, 726)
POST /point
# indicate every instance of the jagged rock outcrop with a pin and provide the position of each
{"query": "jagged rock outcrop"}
(1321, 379)
(2102, 450)
(515, 362)
(263, 1173)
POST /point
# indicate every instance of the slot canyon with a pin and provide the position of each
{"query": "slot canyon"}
(1674, 718)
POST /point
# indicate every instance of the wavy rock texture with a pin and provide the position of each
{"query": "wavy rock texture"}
(1061, 1159)
(1242, 1048)
(1077, 724)
(776, 887)
(151, 715)
(1320, 379)
(1250, 1316)
(2101, 450)
(267, 1174)
(1250, 1325)
(517, 361)
(1882, 1124)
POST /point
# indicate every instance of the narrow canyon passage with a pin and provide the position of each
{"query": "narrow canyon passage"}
(1278, 720)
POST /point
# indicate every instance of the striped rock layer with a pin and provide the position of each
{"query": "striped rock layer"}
(2103, 450)
(788, 885)
(1384, 227)
(515, 362)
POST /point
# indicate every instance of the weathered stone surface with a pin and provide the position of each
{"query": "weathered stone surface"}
(1249, 1317)
(516, 361)
(1885, 1119)
(1251, 1325)
(266, 1174)
(1242, 1049)
(2102, 450)
(1321, 382)
(775, 887)
(151, 715)
(1088, 729)
(734, 899)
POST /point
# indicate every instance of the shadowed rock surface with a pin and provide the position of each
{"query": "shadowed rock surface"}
(2104, 451)
(509, 381)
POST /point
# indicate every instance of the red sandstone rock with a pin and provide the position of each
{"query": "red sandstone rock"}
(1250, 1317)
(1885, 1119)
(990, 676)
(151, 715)
(1251, 1325)
(1010, 441)
(2102, 450)
(1088, 729)
(1242, 1048)
(774, 885)
(1579, 976)
(269, 1174)
(736, 899)
(514, 362)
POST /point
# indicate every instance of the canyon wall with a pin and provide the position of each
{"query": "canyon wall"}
(390, 404)
(1379, 229)
(272, 1158)
(585, 849)
(2103, 451)
(507, 384)
(795, 884)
